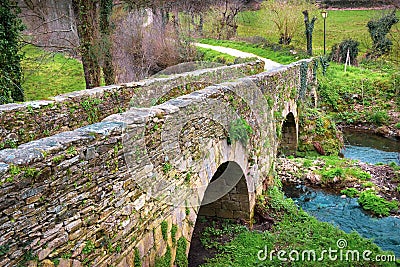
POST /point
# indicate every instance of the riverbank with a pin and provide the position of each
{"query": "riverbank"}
(283, 228)
(388, 131)
(363, 98)
(339, 175)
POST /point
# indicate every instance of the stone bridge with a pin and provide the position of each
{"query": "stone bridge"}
(118, 175)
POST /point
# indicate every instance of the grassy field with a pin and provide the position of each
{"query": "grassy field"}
(340, 24)
(368, 94)
(205, 54)
(49, 74)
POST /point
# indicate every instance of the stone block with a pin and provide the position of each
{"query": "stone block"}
(228, 214)
(44, 253)
(241, 215)
(76, 263)
(47, 263)
(73, 226)
(33, 199)
(31, 264)
(64, 263)
(74, 235)
(231, 205)
(53, 230)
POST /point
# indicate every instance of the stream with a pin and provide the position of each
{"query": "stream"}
(370, 148)
(347, 213)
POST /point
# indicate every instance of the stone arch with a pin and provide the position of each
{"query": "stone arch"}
(288, 143)
(235, 204)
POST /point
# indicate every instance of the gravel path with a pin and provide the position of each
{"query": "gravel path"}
(269, 64)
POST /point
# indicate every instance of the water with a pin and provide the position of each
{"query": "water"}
(347, 213)
(370, 148)
(348, 216)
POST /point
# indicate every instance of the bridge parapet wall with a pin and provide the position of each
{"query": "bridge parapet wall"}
(25, 122)
(127, 189)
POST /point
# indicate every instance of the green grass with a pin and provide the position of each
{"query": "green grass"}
(375, 204)
(294, 230)
(350, 192)
(283, 57)
(362, 94)
(340, 25)
(334, 166)
(215, 56)
(50, 74)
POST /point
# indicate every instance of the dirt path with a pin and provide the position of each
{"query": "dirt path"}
(269, 64)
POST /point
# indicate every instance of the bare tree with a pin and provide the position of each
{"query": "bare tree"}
(50, 24)
(285, 16)
(145, 48)
(222, 16)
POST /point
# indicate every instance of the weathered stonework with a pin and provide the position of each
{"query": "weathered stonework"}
(100, 194)
(21, 123)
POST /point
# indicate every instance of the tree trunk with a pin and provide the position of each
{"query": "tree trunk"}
(309, 30)
(86, 18)
(201, 24)
(105, 30)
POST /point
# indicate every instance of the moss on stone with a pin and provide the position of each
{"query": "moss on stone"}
(164, 261)
(164, 230)
(181, 260)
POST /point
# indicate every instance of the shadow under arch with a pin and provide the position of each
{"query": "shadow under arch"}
(234, 205)
(288, 142)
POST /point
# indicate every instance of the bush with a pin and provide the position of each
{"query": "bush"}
(368, 185)
(350, 192)
(339, 51)
(240, 130)
(332, 173)
(378, 117)
(10, 56)
(181, 259)
(358, 173)
(378, 29)
(376, 204)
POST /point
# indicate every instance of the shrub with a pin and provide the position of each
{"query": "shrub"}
(240, 130)
(378, 29)
(10, 56)
(350, 192)
(358, 173)
(181, 259)
(332, 173)
(378, 117)
(368, 185)
(376, 204)
(339, 51)
(278, 202)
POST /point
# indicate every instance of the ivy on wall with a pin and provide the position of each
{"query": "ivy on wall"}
(10, 55)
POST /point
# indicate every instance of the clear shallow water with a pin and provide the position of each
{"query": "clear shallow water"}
(370, 148)
(347, 215)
